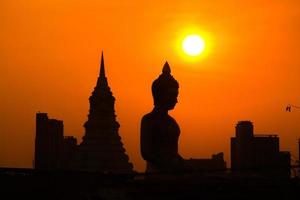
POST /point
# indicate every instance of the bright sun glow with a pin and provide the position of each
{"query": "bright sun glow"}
(193, 45)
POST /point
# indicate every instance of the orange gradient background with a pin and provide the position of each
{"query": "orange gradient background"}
(50, 53)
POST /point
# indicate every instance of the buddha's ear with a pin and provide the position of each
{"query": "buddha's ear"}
(173, 90)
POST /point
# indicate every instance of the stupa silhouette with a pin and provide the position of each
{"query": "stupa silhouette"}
(101, 148)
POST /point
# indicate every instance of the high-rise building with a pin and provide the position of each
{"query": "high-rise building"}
(298, 157)
(299, 150)
(69, 153)
(101, 148)
(48, 142)
(257, 152)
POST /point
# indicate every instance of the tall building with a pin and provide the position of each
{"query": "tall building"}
(48, 142)
(257, 152)
(298, 157)
(101, 148)
(69, 153)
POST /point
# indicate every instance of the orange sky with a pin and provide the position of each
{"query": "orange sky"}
(49, 62)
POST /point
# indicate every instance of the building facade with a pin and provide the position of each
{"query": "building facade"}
(298, 157)
(48, 142)
(257, 152)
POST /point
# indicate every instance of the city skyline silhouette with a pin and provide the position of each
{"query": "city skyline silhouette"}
(102, 150)
(98, 167)
(50, 53)
(195, 99)
(288, 109)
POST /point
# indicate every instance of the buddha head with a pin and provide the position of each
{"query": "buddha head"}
(165, 90)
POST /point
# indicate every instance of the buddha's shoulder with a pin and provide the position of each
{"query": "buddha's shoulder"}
(171, 119)
(148, 117)
(152, 117)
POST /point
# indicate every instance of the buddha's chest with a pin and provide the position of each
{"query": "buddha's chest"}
(166, 132)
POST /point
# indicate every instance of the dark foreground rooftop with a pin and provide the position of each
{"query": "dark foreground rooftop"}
(32, 184)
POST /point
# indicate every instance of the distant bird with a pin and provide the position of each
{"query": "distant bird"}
(289, 107)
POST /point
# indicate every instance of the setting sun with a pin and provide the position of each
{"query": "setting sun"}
(193, 45)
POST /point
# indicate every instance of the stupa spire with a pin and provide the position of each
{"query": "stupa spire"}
(102, 70)
(102, 80)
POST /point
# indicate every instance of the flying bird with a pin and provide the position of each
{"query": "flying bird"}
(289, 107)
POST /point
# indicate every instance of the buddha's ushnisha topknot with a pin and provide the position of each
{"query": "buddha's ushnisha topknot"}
(164, 82)
(166, 69)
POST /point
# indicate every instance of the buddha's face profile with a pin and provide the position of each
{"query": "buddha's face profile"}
(169, 99)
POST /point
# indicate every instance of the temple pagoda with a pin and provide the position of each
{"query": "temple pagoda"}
(101, 148)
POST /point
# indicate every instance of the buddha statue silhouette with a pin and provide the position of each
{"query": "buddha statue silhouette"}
(159, 131)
